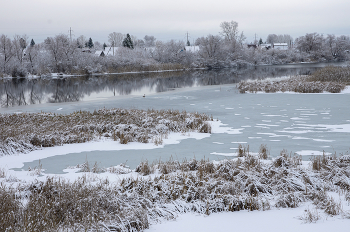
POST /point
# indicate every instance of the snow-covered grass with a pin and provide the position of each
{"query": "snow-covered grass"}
(164, 190)
(329, 79)
(25, 132)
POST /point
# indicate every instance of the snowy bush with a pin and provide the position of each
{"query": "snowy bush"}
(299, 84)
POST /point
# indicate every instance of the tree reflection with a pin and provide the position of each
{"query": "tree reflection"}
(15, 92)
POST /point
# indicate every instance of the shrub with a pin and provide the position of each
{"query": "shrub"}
(263, 151)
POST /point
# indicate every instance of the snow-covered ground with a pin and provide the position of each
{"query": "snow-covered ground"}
(286, 220)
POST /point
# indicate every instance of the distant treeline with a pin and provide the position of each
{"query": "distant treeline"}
(60, 54)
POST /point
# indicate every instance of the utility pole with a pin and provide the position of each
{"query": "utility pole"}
(70, 34)
(255, 39)
(187, 41)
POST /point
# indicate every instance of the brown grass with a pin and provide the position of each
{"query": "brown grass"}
(330, 79)
(20, 133)
(200, 186)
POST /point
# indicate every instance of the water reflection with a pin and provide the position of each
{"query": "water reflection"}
(14, 92)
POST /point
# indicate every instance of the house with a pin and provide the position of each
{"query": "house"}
(265, 46)
(109, 51)
(100, 53)
(87, 50)
(193, 49)
(280, 46)
(252, 46)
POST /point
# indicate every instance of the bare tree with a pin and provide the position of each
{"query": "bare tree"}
(60, 49)
(32, 54)
(6, 51)
(115, 39)
(310, 42)
(342, 44)
(210, 46)
(19, 45)
(81, 40)
(273, 38)
(233, 38)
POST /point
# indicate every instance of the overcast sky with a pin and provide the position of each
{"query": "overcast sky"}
(172, 19)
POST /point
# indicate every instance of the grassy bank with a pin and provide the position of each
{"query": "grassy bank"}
(329, 79)
(246, 183)
(21, 133)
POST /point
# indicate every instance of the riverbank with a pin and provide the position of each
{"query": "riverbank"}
(118, 198)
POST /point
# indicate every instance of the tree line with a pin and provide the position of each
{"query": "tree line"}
(60, 54)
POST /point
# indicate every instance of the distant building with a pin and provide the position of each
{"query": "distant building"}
(86, 50)
(252, 46)
(100, 53)
(265, 46)
(109, 51)
(193, 49)
(280, 46)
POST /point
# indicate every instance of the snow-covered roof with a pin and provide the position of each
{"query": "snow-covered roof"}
(99, 52)
(280, 44)
(109, 51)
(192, 48)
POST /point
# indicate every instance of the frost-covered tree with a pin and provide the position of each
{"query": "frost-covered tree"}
(310, 42)
(127, 42)
(229, 30)
(115, 39)
(32, 55)
(81, 41)
(210, 46)
(61, 51)
(6, 51)
(98, 45)
(341, 47)
(139, 43)
(273, 38)
(233, 37)
(149, 40)
(19, 45)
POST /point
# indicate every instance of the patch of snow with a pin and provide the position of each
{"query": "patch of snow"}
(286, 220)
(323, 140)
(224, 154)
(311, 152)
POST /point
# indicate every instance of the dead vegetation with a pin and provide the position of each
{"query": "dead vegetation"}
(245, 183)
(329, 79)
(24, 132)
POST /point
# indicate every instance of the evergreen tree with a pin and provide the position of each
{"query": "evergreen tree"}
(188, 43)
(127, 42)
(260, 41)
(90, 44)
(32, 43)
(104, 46)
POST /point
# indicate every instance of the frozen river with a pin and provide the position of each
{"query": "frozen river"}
(307, 124)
